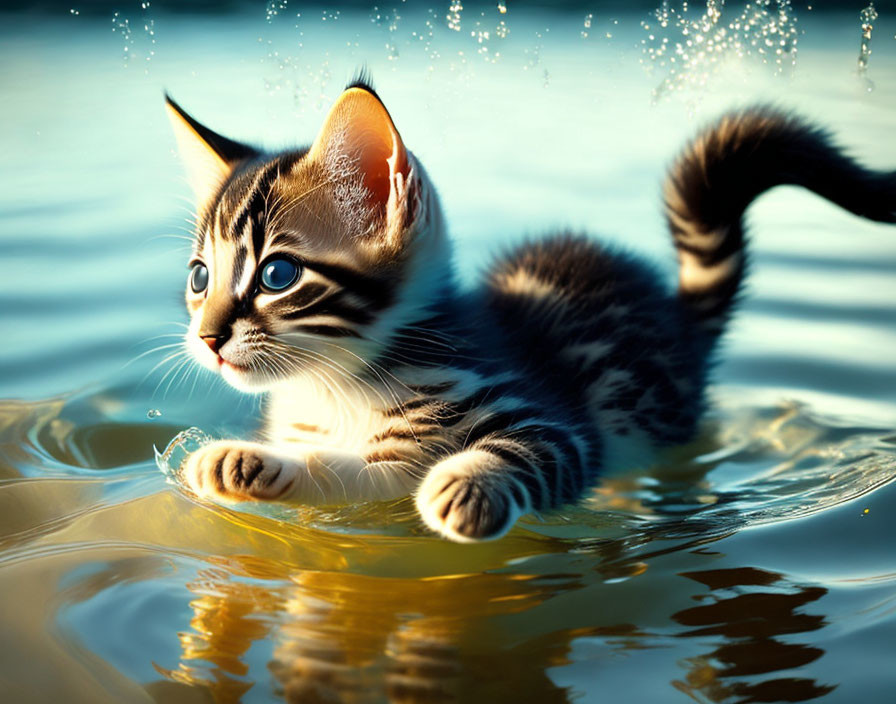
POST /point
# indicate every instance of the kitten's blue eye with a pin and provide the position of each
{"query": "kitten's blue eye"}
(199, 278)
(278, 274)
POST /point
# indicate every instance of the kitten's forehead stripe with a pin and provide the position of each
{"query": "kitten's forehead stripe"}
(253, 202)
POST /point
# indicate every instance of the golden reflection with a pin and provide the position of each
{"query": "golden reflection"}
(228, 618)
(749, 610)
(343, 637)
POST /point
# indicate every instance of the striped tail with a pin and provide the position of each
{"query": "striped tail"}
(728, 165)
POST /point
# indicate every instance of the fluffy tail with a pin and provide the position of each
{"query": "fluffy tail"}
(725, 168)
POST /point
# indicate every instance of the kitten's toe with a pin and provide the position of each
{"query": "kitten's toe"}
(468, 507)
(235, 472)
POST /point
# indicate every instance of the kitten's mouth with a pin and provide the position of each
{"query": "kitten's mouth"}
(231, 365)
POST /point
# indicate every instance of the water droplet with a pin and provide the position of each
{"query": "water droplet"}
(587, 25)
(153, 413)
(867, 18)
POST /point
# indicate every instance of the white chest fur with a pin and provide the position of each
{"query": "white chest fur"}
(314, 413)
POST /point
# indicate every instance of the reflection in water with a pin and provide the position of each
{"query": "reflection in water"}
(749, 610)
(228, 619)
(353, 638)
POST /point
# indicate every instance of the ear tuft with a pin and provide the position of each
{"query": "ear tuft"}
(359, 131)
(362, 79)
(209, 157)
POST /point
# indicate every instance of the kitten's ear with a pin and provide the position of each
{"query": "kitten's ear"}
(359, 133)
(208, 157)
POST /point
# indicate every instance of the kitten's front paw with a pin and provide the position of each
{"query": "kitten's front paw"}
(466, 498)
(237, 471)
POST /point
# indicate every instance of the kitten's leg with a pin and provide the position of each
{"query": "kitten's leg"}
(230, 470)
(479, 493)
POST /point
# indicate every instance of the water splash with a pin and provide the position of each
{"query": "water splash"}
(689, 49)
(188, 441)
(427, 36)
(121, 25)
(774, 464)
(502, 30)
(867, 18)
(587, 25)
(185, 442)
(274, 8)
(389, 20)
(149, 32)
(485, 33)
(453, 16)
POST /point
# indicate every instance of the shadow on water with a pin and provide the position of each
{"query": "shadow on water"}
(357, 604)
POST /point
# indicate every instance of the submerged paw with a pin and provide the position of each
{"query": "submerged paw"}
(235, 472)
(466, 508)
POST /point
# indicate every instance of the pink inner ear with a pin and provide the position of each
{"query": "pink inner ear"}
(381, 159)
(374, 163)
(359, 126)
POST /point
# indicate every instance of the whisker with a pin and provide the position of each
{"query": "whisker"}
(168, 358)
(159, 348)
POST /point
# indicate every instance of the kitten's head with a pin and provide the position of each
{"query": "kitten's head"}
(308, 261)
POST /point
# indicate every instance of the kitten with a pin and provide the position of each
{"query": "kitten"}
(323, 277)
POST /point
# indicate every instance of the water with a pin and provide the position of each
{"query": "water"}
(867, 16)
(756, 564)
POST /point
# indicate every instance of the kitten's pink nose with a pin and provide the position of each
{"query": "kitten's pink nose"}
(214, 342)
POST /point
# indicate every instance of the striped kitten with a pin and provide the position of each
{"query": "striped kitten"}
(323, 277)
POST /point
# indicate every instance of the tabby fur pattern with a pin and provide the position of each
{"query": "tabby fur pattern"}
(384, 378)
